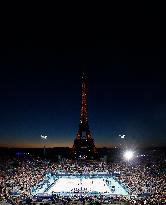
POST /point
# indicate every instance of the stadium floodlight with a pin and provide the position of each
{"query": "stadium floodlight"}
(122, 136)
(44, 148)
(43, 137)
(128, 155)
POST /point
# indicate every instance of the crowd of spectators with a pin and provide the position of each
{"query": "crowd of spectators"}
(145, 182)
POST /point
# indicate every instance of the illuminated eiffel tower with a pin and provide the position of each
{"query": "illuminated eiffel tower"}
(84, 146)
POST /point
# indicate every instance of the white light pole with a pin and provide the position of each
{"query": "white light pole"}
(44, 149)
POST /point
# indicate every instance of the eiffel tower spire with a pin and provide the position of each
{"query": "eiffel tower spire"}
(84, 144)
(84, 112)
(83, 126)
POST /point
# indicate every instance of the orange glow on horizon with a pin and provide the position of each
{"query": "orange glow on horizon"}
(34, 145)
(48, 145)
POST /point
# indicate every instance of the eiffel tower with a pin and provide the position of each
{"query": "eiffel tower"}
(84, 147)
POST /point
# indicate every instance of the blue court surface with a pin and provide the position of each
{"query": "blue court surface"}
(78, 185)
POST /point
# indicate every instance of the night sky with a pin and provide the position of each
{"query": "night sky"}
(40, 92)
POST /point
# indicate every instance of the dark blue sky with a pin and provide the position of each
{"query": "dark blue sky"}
(40, 87)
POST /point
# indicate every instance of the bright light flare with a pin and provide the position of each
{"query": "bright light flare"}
(128, 155)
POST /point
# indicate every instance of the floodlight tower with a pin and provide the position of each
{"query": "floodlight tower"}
(44, 138)
(123, 141)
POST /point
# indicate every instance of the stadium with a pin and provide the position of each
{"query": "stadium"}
(39, 181)
(46, 159)
(82, 177)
